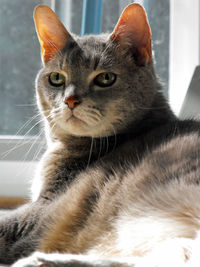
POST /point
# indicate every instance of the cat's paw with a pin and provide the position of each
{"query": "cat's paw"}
(39, 259)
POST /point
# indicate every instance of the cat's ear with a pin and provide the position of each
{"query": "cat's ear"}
(51, 32)
(133, 31)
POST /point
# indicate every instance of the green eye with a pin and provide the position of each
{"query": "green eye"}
(105, 79)
(56, 79)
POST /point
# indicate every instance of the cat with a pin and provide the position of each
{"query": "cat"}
(119, 182)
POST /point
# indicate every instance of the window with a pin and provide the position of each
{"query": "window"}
(175, 54)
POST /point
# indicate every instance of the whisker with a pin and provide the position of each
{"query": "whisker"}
(95, 111)
(90, 154)
(91, 115)
(26, 155)
(24, 126)
(115, 135)
(107, 144)
(54, 123)
(90, 121)
(32, 145)
(26, 105)
(43, 144)
(18, 145)
(92, 110)
(100, 147)
(33, 127)
(29, 140)
(150, 108)
(21, 142)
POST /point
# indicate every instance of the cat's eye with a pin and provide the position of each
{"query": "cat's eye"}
(105, 79)
(56, 79)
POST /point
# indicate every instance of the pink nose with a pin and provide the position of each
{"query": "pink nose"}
(72, 101)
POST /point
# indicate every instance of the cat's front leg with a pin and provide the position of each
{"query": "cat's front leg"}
(39, 259)
(58, 168)
(20, 232)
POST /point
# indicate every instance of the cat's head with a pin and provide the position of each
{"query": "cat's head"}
(94, 85)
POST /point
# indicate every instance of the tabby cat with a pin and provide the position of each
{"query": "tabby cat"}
(119, 184)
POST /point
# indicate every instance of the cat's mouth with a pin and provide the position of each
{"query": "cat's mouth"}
(73, 119)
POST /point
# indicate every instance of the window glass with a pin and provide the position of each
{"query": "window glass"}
(159, 16)
(70, 12)
(19, 63)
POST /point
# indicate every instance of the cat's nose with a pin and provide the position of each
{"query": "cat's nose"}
(72, 101)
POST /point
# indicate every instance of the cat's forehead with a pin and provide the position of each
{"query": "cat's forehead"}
(92, 41)
(89, 51)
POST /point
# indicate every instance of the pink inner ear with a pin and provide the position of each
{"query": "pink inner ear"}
(51, 32)
(133, 25)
